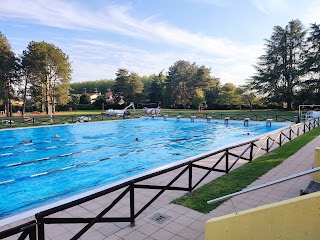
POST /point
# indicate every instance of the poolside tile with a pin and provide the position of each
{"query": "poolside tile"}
(93, 235)
(162, 234)
(189, 234)
(148, 229)
(174, 227)
(135, 235)
(108, 229)
(184, 220)
(177, 238)
(198, 225)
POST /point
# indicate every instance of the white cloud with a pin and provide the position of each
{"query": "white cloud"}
(90, 54)
(270, 6)
(311, 14)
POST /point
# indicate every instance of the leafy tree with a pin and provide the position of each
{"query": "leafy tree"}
(182, 82)
(249, 98)
(198, 98)
(85, 99)
(147, 81)
(74, 99)
(121, 81)
(157, 88)
(230, 96)
(310, 91)
(135, 87)
(49, 73)
(128, 86)
(8, 72)
(100, 101)
(279, 70)
(101, 85)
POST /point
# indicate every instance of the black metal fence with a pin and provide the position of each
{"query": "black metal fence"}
(222, 161)
(22, 231)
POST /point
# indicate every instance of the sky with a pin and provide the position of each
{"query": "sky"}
(149, 36)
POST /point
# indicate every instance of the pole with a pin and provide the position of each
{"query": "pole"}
(50, 111)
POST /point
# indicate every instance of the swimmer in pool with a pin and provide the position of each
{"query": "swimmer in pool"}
(26, 141)
(55, 136)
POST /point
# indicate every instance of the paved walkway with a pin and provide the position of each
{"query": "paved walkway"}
(163, 220)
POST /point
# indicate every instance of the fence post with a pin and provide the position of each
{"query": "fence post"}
(40, 228)
(290, 134)
(132, 224)
(268, 143)
(251, 151)
(227, 160)
(280, 139)
(190, 177)
(304, 128)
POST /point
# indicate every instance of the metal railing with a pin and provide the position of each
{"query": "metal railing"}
(224, 160)
(264, 185)
(23, 231)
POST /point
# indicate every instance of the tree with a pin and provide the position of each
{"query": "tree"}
(102, 85)
(184, 80)
(198, 98)
(128, 86)
(310, 91)
(85, 99)
(121, 82)
(48, 71)
(135, 87)
(100, 102)
(279, 71)
(8, 73)
(157, 88)
(230, 96)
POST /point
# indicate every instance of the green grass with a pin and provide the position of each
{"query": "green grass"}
(241, 177)
(66, 116)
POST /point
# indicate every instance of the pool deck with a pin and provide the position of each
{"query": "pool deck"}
(177, 222)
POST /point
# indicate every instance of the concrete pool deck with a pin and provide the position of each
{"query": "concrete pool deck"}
(163, 220)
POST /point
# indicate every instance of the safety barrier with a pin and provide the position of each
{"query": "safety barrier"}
(223, 160)
(22, 231)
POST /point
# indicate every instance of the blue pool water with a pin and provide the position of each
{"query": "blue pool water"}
(90, 155)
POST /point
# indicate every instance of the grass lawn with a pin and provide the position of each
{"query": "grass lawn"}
(241, 177)
(96, 115)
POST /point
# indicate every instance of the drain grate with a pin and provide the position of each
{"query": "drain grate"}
(160, 218)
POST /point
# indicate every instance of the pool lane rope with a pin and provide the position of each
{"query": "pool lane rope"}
(71, 144)
(85, 163)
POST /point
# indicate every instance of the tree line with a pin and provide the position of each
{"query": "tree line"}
(286, 75)
(289, 71)
(186, 85)
(39, 77)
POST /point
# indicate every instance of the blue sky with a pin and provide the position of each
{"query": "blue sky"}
(147, 36)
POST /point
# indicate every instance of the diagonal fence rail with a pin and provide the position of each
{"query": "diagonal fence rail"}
(24, 231)
(191, 172)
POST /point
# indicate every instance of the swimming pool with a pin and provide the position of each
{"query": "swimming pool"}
(89, 155)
